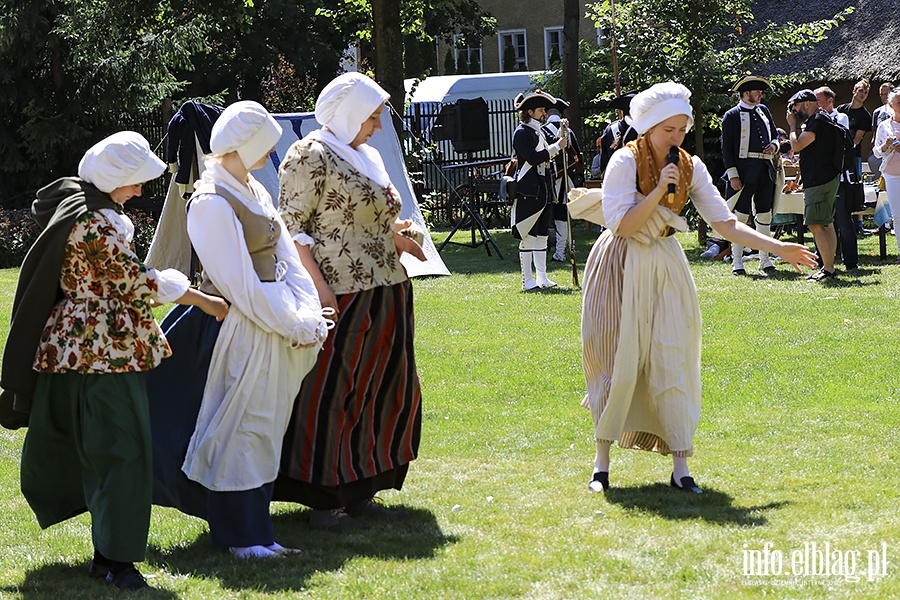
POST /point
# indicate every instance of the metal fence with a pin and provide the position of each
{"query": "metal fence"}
(436, 169)
(151, 124)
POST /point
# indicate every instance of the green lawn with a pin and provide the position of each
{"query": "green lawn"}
(796, 449)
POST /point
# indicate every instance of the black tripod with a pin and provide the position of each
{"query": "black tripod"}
(471, 218)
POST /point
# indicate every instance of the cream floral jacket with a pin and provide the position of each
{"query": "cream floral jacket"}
(349, 217)
(104, 323)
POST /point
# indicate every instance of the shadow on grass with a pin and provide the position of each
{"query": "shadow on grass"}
(59, 580)
(416, 538)
(712, 506)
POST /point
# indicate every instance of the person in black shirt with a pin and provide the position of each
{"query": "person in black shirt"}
(816, 145)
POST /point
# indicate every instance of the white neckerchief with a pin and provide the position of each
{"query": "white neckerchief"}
(254, 195)
(753, 107)
(364, 158)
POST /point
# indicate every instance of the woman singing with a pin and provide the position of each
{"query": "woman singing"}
(641, 318)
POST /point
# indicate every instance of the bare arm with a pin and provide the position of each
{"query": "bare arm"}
(211, 305)
(798, 141)
(742, 234)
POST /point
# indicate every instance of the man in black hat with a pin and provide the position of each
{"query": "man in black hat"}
(814, 136)
(574, 164)
(749, 149)
(618, 133)
(531, 212)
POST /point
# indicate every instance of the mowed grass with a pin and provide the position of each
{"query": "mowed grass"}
(796, 446)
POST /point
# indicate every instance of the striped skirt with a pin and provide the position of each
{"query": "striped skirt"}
(640, 332)
(357, 419)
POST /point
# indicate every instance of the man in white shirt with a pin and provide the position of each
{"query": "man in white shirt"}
(825, 101)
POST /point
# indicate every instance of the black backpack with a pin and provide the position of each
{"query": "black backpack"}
(844, 154)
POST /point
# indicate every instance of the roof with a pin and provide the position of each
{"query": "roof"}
(864, 45)
(490, 86)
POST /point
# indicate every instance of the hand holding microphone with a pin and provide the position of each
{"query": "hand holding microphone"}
(672, 159)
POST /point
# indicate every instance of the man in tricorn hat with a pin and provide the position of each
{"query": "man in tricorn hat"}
(749, 149)
(618, 133)
(574, 166)
(531, 212)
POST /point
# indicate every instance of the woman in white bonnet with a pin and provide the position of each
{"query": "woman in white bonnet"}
(81, 342)
(641, 320)
(357, 418)
(220, 408)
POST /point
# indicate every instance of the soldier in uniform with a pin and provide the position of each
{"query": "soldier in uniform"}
(749, 148)
(530, 218)
(575, 166)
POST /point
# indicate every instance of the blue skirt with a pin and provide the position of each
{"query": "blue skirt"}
(175, 392)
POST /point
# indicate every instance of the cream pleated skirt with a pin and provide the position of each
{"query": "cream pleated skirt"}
(641, 338)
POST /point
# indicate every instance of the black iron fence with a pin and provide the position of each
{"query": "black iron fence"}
(441, 176)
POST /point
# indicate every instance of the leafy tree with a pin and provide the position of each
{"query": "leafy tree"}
(509, 58)
(449, 63)
(68, 70)
(704, 45)
(553, 59)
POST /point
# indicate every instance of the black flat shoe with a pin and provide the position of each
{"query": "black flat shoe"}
(599, 482)
(127, 579)
(687, 485)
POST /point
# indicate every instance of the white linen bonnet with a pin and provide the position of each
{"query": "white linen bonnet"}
(658, 103)
(346, 103)
(247, 128)
(122, 159)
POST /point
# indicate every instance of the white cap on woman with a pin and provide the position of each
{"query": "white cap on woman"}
(247, 128)
(122, 159)
(659, 102)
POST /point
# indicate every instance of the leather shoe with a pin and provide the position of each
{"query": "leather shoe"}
(98, 570)
(127, 579)
(335, 520)
(373, 510)
(687, 485)
(600, 481)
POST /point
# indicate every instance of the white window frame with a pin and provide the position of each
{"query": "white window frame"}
(501, 35)
(469, 51)
(548, 45)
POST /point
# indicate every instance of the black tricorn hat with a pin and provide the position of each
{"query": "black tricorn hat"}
(751, 82)
(535, 99)
(622, 102)
(561, 105)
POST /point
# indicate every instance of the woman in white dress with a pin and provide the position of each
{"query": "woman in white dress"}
(232, 389)
(641, 317)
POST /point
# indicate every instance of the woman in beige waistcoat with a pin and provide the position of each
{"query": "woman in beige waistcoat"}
(230, 390)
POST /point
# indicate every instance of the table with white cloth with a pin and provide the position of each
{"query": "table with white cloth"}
(876, 205)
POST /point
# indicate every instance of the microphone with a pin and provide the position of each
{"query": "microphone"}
(672, 160)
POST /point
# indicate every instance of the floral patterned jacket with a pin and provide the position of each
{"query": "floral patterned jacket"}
(348, 215)
(104, 323)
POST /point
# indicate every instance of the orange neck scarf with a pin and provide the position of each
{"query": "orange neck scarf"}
(648, 173)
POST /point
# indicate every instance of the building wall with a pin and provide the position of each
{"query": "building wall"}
(531, 17)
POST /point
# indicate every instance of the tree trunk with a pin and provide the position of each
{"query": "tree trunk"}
(571, 16)
(388, 41)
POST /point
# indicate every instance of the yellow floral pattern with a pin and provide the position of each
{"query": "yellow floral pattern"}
(349, 216)
(103, 323)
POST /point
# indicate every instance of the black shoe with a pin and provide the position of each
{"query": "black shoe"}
(600, 481)
(738, 271)
(373, 510)
(687, 485)
(335, 520)
(98, 570)
(127, 579)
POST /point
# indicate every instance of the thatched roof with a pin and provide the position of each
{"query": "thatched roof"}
(865, 44)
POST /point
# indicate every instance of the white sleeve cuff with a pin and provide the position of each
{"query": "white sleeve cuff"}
(304, 239)
(171, 284)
